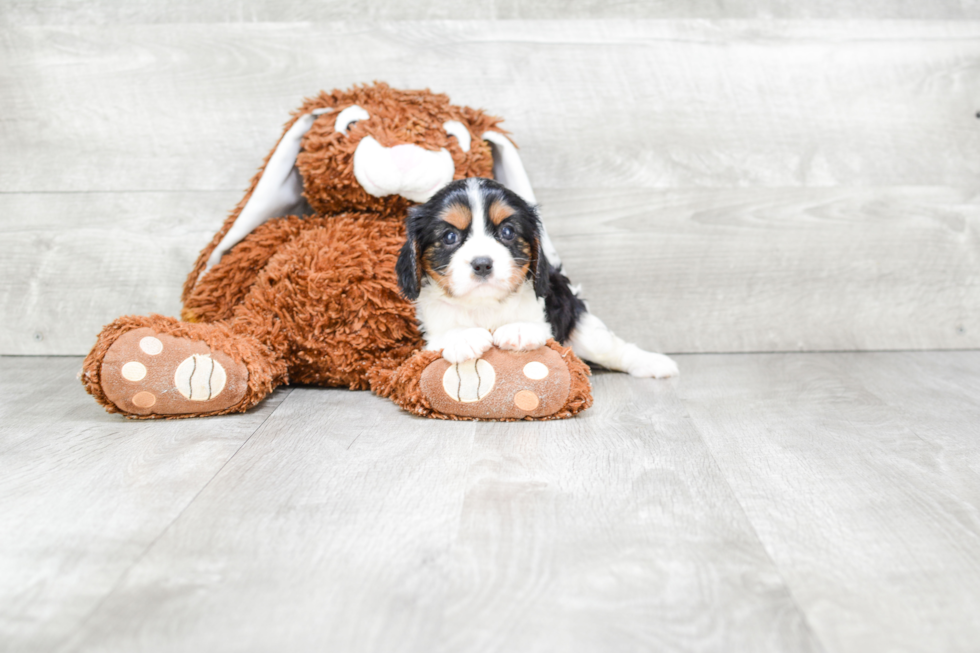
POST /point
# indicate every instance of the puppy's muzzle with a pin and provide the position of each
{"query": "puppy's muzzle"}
(482, 266)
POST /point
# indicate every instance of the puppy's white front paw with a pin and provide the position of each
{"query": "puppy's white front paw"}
(465, 344)
(648, 364)
(522, 336)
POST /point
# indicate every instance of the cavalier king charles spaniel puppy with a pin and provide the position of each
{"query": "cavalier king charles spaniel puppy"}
(474, 266)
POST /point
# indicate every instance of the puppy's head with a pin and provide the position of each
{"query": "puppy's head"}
(476, 239)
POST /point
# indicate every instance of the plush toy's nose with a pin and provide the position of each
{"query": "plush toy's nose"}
(406, 157)
(482, 266)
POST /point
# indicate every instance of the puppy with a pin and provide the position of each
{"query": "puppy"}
(474, 266)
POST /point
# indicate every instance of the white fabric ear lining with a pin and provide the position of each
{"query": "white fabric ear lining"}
(278, 193)
(353, 113)
(459, 130)
(509, 171)
(507, 166)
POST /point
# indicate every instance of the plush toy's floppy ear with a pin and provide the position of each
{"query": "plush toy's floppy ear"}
(278, 193)
(509, 171)
(409, 265)
(507, 166)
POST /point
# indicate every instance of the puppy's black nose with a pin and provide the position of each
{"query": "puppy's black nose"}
(482, 266)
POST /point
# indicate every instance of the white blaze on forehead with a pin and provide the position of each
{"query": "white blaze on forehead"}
(479, 224)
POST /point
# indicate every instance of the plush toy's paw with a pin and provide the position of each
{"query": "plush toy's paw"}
(547, 383)
(460, 345)
(521, 336)
(648, 364)
(500, 385)
(149, 373)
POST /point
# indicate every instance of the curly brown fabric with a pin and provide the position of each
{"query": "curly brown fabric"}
(315, 299)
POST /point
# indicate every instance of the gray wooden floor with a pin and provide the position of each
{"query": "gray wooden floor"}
(776, 502)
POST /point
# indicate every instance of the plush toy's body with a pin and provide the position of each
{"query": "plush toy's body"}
(302, 288)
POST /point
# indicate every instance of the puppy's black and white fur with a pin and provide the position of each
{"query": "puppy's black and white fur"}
(474, 266)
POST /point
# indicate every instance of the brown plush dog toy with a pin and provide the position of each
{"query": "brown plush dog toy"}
(299, 285)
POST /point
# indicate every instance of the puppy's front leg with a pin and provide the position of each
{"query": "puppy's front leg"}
(522, 336)
(460, 345)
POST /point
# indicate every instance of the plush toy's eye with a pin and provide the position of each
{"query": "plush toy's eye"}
(507, 233)
(462, 134)
(347, 118)
(450, 238)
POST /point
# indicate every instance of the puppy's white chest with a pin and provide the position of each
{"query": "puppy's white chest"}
(438, 313)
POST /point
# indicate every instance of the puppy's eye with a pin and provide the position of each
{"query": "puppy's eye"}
(450, 238)
(507, 233)
(347, 118)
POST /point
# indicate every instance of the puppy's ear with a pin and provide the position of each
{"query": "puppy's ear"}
(540, 268)
(409, 265)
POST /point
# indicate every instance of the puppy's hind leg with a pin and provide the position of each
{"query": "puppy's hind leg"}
(593, 341)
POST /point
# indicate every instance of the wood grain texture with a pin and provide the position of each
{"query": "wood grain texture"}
(74, 12)
(776, 269)
(937, 396)
(869, 508)
(343, 524)
(723, 185)
(610, 532)
(85, 494)
(679, 271)
(612, 103)
(786, 502)
(331, 532)
(76, 261)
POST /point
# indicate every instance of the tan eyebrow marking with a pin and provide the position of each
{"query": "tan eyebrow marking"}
(458, 216)
(500, 211)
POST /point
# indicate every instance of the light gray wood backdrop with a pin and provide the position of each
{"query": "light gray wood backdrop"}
(724, 176)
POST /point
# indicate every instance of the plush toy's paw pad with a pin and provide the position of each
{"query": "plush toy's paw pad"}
(500, 385)
(466, 344)
(648, 364)
(521, 336)
(146, 373)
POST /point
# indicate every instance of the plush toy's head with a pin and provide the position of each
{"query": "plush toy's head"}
(372, 149)
(375, 148)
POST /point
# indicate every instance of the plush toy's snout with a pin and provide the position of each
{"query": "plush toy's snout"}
(407, 170)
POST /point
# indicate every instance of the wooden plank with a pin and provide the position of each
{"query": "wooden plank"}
(761, 502)
(86, 493)
(679, 271)
(872, 522)
(611, 103)
(937, 396)
(346, 525)
(611, 532)
(26, 379)
(330, 531)
(76, 261)
(101, 12)
(776, 269)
